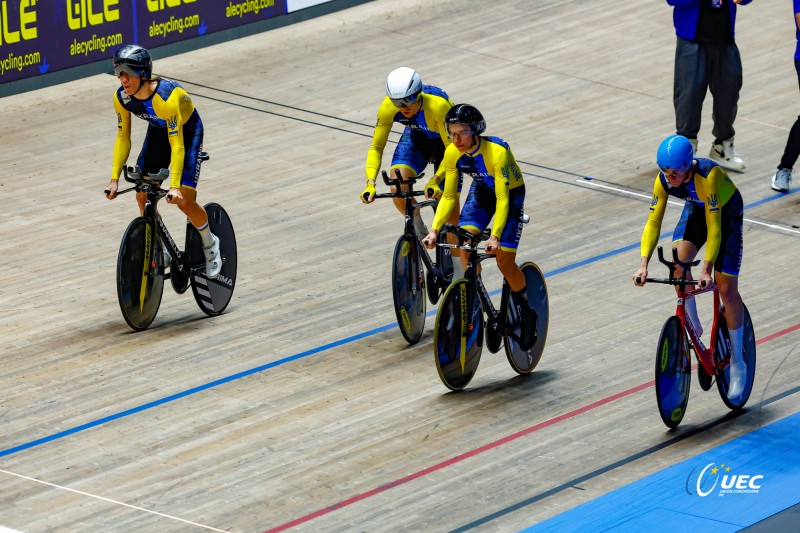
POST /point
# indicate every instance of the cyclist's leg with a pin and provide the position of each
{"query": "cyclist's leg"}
(509, 240)
(154, 155)
(475, 215)
(727, 265)
(410, 160)
(193, 141)
(729, 260)
(688, 237)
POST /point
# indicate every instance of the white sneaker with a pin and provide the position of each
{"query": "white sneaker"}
(724, 154)
(213, 258)
(782, 179)
(738, 375)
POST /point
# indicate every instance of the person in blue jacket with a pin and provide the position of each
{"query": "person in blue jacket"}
(707, 57)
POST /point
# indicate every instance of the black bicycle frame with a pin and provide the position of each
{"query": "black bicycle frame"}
(410, 209)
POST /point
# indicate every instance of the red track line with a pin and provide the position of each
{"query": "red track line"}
(487, 447)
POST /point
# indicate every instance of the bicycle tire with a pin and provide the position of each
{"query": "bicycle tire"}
(523, 362)
(213, 295)
(748, 355)
(673, 373)
(140, 275)
(408, 288)
(458, 336)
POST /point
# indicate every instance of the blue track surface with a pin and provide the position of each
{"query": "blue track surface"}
(718, 490)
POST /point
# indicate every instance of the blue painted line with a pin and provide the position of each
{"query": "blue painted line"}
(756, 477)
(194, 390)
(279, 362)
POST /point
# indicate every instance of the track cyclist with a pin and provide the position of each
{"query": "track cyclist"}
(174, 140)
(712, 215)
(497, 190)
(422, 110)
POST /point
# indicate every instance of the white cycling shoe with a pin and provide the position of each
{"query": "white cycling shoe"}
(738, 375)
(213, 258)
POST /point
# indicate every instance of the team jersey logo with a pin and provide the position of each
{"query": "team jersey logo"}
(653, 202)
(119, 121)
(713, 202)
(172, 124)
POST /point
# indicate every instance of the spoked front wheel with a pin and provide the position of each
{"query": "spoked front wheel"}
(140, 274)
(673, 372)
(408, 289)
(213, 295)
(723, 351)
(522, 361)
(458, 335)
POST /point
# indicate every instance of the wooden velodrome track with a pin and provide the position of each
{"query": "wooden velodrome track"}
(302, 406)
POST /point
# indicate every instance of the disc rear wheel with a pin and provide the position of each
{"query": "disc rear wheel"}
(748, 356)
(213, 295)
(524, 361)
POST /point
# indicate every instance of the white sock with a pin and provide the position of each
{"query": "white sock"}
(737, 371)
(205, 235)
(691, 311)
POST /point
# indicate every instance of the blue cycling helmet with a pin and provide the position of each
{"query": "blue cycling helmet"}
(676, 152)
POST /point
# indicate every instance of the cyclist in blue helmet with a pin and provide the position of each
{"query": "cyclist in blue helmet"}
(712, 215)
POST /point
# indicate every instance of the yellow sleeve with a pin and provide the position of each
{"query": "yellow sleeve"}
(501, 169)
(122, 144)
(652, 228)
(442, 106)
(450, 195)
(176, 110)
(383, 126)
(708, 189)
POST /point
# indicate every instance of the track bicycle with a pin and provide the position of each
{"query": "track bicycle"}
(410, 280)
(459, 332)
(678, 336)
(142, 265)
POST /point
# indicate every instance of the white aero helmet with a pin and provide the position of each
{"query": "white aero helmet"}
(403, 86)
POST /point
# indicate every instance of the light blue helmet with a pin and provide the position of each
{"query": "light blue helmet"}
(676, 152)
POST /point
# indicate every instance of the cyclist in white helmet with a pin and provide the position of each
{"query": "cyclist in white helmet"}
(422, 110)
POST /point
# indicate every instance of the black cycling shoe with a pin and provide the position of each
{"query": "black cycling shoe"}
(527, 335)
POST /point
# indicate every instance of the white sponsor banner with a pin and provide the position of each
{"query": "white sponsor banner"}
(296, 5)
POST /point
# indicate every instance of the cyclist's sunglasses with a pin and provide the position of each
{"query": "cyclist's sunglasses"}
(127, 69)
(408, 101)
(673, 172)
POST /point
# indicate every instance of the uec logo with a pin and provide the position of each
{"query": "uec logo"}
(729, 483)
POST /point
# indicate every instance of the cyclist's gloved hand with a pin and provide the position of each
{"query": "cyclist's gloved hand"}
(368, 194)
(432, 189)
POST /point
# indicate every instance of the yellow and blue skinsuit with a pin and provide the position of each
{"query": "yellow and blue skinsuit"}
(497, 189)
(174, 133)
(424, 138)
(712, 215)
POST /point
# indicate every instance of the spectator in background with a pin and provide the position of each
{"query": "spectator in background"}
(706, 58)
(782, 178)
